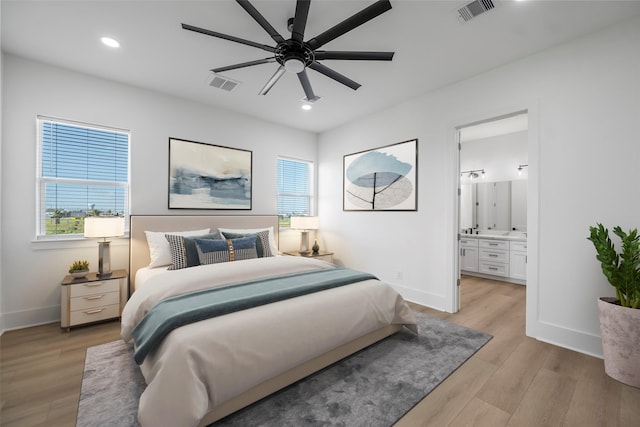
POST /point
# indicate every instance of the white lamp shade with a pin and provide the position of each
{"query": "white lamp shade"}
(305, 222)
(103, 226)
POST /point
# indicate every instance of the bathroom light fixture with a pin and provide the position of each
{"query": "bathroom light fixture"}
(520, 168)
(473, 174)
(110, 42)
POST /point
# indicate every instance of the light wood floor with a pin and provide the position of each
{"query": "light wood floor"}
(513, 380)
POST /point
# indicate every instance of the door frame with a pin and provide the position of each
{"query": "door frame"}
(531, 107)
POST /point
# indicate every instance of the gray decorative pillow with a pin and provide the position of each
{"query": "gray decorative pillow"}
(216, 251)
(183, 249)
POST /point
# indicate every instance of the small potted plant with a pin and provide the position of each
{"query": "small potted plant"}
(79, 269)
(620, 316)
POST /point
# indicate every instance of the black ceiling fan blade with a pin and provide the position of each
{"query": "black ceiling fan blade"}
(228, 37)
(353, 56)
(350, 23)
(306, 85)
(251, 10)
(244, 64)
(334, 75)
(300, 20)
(273, 80)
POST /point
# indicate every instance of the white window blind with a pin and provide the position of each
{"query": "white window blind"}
(295, 184)
(83, 171)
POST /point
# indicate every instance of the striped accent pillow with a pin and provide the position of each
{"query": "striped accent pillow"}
(183, 249)
(217, 251)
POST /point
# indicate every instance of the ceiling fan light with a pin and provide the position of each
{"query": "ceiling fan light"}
(294, 65)
(110, 42)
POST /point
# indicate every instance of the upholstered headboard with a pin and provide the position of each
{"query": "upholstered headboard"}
(139, 250)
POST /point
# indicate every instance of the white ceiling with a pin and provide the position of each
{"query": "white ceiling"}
(433, 48)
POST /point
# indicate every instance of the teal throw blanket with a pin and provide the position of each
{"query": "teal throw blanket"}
(174, 312)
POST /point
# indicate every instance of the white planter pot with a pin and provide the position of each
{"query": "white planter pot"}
(620, 329)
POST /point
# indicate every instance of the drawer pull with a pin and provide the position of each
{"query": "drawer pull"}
(93, 284)
(493, 244)
(94, 297)
(96, 311)
(493, 268)
(493, 255)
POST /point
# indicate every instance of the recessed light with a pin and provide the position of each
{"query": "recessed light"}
(306, 107)
(110, 42)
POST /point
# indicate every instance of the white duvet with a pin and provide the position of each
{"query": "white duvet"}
(199, 366)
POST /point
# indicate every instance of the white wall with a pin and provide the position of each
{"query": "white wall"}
(499, 156)
(584, 151)
(33, 270)
(1, 103)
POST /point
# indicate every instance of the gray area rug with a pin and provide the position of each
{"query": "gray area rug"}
(374, 387)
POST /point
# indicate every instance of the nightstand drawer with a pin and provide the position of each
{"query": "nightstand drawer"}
(95, 300)
(328, 258)
(94, 314)
(98, 287)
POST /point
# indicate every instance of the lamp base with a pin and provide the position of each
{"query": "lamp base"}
(104, 259)
(304, 243)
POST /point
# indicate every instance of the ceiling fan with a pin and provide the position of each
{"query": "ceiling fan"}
(296, 55)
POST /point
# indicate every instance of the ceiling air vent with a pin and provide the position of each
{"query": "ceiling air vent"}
(473, 9)
(223, 83)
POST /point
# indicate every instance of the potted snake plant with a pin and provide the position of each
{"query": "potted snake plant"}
(620, 316)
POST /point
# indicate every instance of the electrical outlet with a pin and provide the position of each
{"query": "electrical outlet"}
(398, 275)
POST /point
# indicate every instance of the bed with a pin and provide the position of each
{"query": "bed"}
(204, 371)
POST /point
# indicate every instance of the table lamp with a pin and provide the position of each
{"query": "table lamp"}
(103, 227)
(305, 223)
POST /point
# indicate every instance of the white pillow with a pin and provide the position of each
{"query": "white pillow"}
(159, 250)
(272, 239)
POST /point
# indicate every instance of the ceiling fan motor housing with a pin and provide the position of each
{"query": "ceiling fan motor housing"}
(294, 57)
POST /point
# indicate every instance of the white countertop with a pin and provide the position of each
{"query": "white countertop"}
(518, 237)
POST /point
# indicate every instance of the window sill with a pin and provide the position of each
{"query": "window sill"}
(74, 242)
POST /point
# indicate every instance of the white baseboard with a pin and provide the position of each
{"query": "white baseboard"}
(579, 341)
(27, 318)
(437, 302)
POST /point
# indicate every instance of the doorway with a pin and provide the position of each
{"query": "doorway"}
(493, 170)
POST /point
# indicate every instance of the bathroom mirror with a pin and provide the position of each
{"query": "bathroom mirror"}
(494, 205)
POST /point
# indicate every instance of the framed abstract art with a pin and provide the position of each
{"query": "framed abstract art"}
(206, 176)
(382, 179)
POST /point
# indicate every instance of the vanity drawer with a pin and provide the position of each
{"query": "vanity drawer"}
(493, 244)
(468, 243)
(98, 287)
(518, 246)
(95, 300)
(494, 256)
(494, 268)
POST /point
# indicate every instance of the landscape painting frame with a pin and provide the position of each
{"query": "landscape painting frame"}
(208, 176)
(382, 179)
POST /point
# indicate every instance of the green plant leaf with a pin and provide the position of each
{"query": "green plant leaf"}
(622, 270)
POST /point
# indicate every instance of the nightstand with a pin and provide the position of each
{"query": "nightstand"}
(92, 298)
(323, 255)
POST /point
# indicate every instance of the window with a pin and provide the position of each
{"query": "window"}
(295, 189)
(83, 170)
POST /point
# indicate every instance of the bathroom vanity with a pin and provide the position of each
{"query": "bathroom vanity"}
(495, 256)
